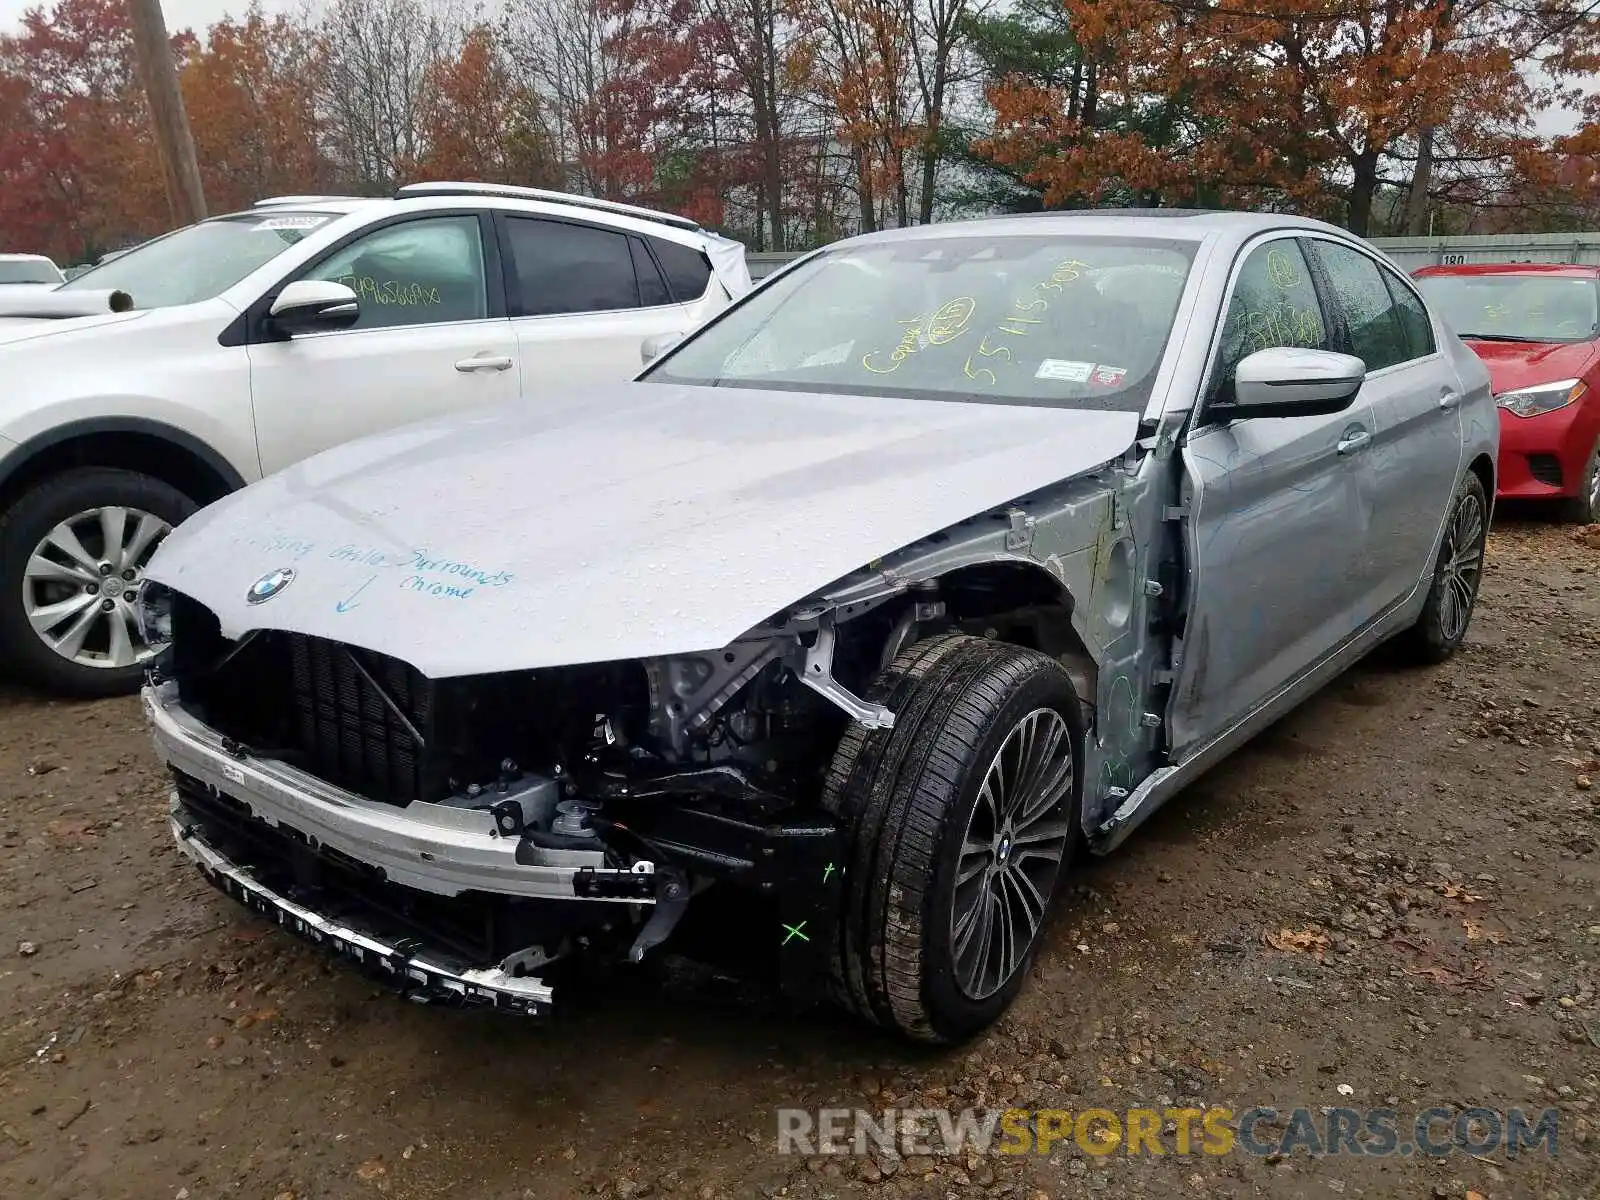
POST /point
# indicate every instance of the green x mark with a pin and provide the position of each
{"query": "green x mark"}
(795, 931)
(827, 871)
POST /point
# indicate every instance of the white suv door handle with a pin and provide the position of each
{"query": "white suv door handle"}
(485, 362)
(1449, 399)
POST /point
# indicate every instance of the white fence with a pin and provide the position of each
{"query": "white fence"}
(1409, 253)
(1412, 253)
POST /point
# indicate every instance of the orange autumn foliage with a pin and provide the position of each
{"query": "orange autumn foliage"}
(1311, 104)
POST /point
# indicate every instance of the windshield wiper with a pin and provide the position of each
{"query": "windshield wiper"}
(1508, 337)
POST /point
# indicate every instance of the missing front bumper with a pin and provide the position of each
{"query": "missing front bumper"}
(423, 977)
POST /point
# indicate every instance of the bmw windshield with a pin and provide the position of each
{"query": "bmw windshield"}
(1070, 322)
(200, 261)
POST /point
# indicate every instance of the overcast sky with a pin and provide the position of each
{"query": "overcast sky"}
(194, 14)
(199, 14)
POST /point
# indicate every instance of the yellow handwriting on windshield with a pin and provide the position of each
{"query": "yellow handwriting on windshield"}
(1016, 323)
(944, 324)
(1065, 272)
(949, 320)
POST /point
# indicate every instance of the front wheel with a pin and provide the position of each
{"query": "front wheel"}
(73, 550)
(1453, 594)
(1584, 508)
(961, 821)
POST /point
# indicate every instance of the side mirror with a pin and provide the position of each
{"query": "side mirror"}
(1285, 381)
(313, 306)
(657, 344)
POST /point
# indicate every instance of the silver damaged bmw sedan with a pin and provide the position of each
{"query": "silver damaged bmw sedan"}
(822, 647)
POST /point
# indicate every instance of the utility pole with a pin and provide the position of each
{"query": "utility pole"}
(154, 51)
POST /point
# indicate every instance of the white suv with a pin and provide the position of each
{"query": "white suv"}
(224, 351)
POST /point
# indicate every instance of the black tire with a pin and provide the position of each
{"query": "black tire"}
(906, 797)
(1442, 627)
(24, 525)
(1584, 508)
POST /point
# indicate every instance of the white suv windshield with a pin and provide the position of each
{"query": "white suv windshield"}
(200, 261)
(1056, 321)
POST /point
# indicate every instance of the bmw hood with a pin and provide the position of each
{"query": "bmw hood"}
(631, 521)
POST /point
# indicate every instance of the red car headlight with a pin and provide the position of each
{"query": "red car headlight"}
(1547, 397)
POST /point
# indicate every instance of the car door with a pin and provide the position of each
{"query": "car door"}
(432, 338)
(583, 299)
(1273, 503)
(1414, 462)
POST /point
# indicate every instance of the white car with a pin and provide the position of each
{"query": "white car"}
(28, 270)
(220, 353)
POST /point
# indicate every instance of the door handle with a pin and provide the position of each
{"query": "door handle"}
(1449, 399)
(1354, 440)
(485, 362)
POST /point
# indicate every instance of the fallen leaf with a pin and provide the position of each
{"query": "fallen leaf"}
(372, 1169)
(1440, 975)
(1296, 941)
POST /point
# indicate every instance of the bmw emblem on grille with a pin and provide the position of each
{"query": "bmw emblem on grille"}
(269, 585)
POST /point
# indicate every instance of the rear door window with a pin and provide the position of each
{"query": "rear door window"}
(1366, 313)
(560, 267)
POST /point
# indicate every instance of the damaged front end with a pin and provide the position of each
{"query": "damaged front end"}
(461, 835)
(465, 834)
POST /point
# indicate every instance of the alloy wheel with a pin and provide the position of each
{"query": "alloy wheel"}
(1461, 567)
(81, 581)
(1011, 853)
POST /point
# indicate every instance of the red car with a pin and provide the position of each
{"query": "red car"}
(1537, 329)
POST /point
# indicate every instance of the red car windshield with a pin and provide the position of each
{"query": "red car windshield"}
(1516, 307)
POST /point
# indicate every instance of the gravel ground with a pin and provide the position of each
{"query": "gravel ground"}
(1387, 900)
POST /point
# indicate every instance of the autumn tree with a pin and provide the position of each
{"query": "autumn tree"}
(251, 94)
(761, 61)
(861, 63)
(1314, 104)
(938, 30)
(477, 123)
(1092, 103)
(376, 57)
(78, 168)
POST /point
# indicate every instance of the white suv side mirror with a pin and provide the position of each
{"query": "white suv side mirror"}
(312, 305)
(654, 346)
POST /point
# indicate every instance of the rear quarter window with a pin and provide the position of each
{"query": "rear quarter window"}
(687, 270)
(1415, 325)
